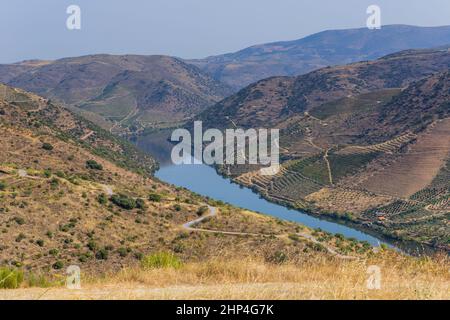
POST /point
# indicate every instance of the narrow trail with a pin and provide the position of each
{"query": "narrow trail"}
(321, 122)
(87, 135)
(329, 249)
(189, 226)
(132, 113)
(325, 157)
(108, 190)
(23, 174)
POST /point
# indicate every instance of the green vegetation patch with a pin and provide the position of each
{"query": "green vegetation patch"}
(123, 201)
(343, 165)
(92, 164)
(161, 260)
(313, 167)
(10, 278)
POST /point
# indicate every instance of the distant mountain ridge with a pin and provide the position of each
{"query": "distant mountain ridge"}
(327, 48)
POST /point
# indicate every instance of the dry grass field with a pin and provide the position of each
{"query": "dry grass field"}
(318, 278)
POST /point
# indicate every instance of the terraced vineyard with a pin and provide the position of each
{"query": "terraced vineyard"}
(441, 204)
(314, 168)
(397, 207)
(380, 159)
(344, 165)
(390, 146)
(293, 185)
(346, 201)
(428, 194)
(414, 169)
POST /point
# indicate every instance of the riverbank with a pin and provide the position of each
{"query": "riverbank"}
(216, 186)
(407, 246)
(204, 180)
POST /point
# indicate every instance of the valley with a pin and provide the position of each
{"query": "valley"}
(69, 196)
(87, 179)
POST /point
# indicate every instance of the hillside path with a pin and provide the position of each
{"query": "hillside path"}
(189, 226)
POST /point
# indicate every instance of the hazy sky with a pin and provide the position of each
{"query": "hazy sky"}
(32, 29)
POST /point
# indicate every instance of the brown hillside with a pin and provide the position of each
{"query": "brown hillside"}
(69, 196)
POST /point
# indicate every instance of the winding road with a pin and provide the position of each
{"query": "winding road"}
(189, 226)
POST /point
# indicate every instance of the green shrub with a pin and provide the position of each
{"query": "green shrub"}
(10, 278)
(123, 201)
(60, 174)
(58, 265)
(122, 252)
(102, 254)
(2, 186)
(19, 220)
(92, 245)
(102, 198)
(47, 173)
(47, 146)
(202, 210)
(140, 204)
(54, 182)
(154, 197)
(161, 260)
(92, 164)
(20, 237)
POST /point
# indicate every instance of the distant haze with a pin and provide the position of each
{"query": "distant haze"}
(187, 28)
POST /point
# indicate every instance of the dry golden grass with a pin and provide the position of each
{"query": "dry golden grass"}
(319, 278)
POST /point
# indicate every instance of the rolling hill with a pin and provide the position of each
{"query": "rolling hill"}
(130, 90)
(327, 48)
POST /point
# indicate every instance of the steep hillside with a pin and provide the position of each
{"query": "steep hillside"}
(71, 193)
(274, 100)
(132, 91)
(367, 143)
(328, 48)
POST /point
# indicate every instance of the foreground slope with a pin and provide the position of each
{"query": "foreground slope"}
(315, 278)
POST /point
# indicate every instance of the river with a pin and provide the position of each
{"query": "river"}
(204, 180)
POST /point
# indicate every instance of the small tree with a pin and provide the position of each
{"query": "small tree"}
(154, 197)
(47, 146)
